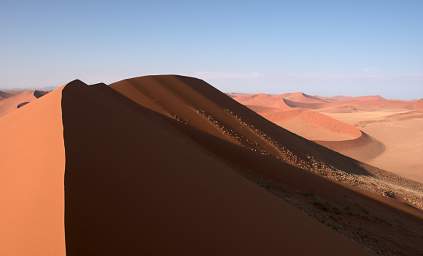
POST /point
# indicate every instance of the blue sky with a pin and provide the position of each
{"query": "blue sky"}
(319, 47)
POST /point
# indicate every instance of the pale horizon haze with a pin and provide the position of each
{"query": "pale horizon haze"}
(323, 48)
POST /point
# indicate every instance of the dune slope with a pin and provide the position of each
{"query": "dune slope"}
(140, 186)
(286, 164)
(196, 103)
(17, 100)
(390, 137)
(31, 179)
(313, 125)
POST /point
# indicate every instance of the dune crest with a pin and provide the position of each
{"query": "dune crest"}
(249, 142)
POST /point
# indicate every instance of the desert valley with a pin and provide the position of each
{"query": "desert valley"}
(168, 164)
(384, 133)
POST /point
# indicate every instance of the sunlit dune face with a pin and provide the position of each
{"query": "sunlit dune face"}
(394, 126)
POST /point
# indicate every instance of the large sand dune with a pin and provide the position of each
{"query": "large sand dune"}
(255, 142)
(155, 191)
(165, 165)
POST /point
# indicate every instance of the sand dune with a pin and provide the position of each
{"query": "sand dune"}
(165, 165)
(262, 100)
(367, 103)
(196, 103)
(287, 110)
(18, 99)
(401, 135)
(177, 197)
(303, 98)
(247, 141)
(299, 104)
(386, 125)
(364, 147)
(31, 178)
(313, 125)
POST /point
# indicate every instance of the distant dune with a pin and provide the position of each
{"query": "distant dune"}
(309, 124)
(165, 165)
(4, 95)
(303, 98)
(261, 100)
(391, 128)
(313, 125)
(367, 103)
(17, 99)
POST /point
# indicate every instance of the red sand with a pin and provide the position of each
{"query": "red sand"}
(262, 100)
(335, 122)
(240, 137)
(31, 179)
(169, 165)
(313, 125)
(13, 100)
(287, 111)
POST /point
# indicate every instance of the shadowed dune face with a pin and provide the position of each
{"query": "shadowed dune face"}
(277, 159)
(22, 104)
(302, 97)
(155, 191)
(31, 179)
(4, 95)
(39, 94)
(262, 100)
(364, 147)
(299, 104)
(401, 134)
(302, 100)
(200, 105)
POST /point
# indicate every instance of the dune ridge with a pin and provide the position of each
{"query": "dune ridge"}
(257, 137)
(176, 196)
